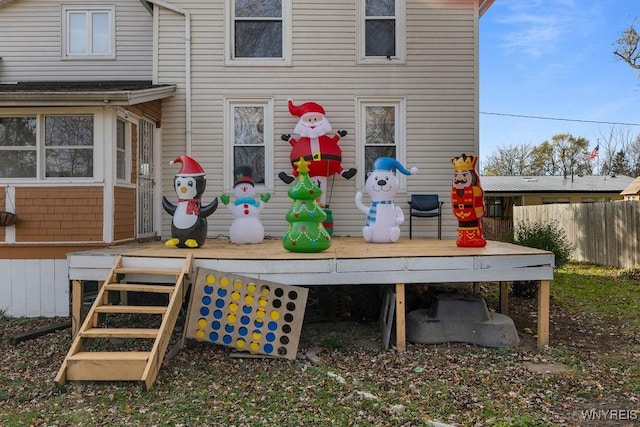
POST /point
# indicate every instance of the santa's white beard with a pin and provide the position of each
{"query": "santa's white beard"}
(319, 129)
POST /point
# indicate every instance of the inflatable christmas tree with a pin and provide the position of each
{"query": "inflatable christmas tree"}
(306, 233)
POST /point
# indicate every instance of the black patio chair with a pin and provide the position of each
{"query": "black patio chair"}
(425, 206)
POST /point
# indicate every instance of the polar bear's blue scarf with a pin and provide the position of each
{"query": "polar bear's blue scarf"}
(373, 209)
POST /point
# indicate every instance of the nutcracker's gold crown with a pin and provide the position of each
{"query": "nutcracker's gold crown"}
(463, 163)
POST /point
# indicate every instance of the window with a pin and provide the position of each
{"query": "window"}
(381, 130)
(121, 150)
(494, 206)
(381, 30)
(555, 200)
(248, 140)
(46, 146)
(259, 32)
(89, 33)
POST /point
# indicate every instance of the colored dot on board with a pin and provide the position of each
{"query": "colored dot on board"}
(220, 303)
(224, 282)
(204, 311)
(227, 339)
(279, 292)
(211, 279)
(248, 298)
(245, 320)
(240, 343)
(254, 346)
(251, 287)
(237, 284)
(217, 314)
(222, 293)
(233, 307)
(235, 295)
(256, 335)
(246, 309)
(208, 290)
(272, 326)
(268, 348)
(243, 331)
(200, 334)
(264, 290)
(215, 325)
(206, 300)
(275, 314)
(202, 323)
(229, 329)
(231, 318)
(288, 317)
(213, 336)
(270, 336)
(261, 312)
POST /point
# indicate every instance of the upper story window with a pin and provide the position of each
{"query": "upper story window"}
(43, 146)
(249, 140)
(259, 32)
(381, 31)
(382, 133)
(89, 33)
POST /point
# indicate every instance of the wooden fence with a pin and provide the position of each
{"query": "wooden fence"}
(605, 233)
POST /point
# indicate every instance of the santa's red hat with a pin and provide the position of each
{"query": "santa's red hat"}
(189, 166)
(307, 107)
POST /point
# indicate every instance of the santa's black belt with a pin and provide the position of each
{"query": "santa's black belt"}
(461, 206)
(311, 158)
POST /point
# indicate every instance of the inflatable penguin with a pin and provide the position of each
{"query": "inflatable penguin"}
(246, 226)
(189, 224)
(383, 216)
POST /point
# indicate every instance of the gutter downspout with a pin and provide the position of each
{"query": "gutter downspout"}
(187, 66)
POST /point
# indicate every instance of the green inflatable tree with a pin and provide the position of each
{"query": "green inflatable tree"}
(306, 233)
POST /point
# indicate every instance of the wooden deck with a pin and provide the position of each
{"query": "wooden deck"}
(349, 260)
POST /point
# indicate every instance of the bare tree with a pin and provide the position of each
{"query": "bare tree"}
(616, 141)
(628, 46)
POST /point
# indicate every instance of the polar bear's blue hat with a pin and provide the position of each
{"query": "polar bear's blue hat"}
(388, 163)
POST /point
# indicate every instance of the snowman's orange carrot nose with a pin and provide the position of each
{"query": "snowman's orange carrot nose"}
(183, 189)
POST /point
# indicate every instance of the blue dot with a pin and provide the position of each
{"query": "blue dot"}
(245, 320)
(272, 326)
(246, 309)
(215, 325)
(258, 323)
(226, 339)
(204, 311)
(222, 293)
(219, 303)
(206, 300)
(268, 348)
(228, 329)
(271, 337)
(208, 290)
(243, 331)
(213, 336)
(314, 243)
(217, 314)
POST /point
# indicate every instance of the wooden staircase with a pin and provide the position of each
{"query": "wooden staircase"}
(92, 357)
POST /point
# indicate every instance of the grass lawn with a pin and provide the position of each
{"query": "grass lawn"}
(595, 338)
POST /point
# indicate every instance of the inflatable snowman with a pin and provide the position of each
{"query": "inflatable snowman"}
(383, 220)
(246, 226)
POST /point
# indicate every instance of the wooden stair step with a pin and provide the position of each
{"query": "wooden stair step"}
(140, 287)
(147, 333)
(137, 309)
(158, 271)
(107, 365)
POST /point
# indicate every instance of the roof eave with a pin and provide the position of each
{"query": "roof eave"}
(85, 98)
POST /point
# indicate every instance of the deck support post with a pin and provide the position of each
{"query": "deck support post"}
(401, 333)
(543, 314)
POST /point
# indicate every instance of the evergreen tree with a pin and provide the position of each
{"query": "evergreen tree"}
(306, 232)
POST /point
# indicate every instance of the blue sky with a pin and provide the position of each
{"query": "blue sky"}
(553, 58)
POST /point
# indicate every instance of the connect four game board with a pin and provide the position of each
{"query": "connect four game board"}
(246, 314)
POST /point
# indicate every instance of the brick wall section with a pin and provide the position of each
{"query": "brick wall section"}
(59, 214)
(124, 213)
(2, 200)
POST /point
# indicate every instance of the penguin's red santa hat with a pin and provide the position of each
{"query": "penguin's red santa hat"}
(306, 108)
(189, 166)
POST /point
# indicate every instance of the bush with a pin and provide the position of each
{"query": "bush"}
(546, 236)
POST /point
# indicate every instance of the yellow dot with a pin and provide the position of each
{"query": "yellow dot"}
(241, 343)
(275, 315)
(264, 290)
(233, 307)
(256, 335)
(211, 279)
(251, 287)
(248, 298)
(202, 323)
(237, 284)
(235, 295)
(260, 312)
(231, 318)
(262, 301)
(200, 334)
(254, 346)
(224, 281)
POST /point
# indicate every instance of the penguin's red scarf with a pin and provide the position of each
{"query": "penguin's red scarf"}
(193, 206)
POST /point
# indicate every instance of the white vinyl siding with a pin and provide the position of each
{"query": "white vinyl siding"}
(438, 83)
(31, 43)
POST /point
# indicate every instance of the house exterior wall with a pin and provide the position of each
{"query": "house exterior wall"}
(31, 43)
(438, 82)
(124, 215)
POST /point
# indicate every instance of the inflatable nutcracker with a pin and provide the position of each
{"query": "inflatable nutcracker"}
(467, 198)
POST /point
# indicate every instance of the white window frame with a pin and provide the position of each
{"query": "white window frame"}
(229, 143)
(40, 116)
(400, 18)
(124, 118)
(66, 37)
(399, 137)
(229, 40)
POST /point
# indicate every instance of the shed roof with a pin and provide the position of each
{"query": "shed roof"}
(632, 189)
(555, 184)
